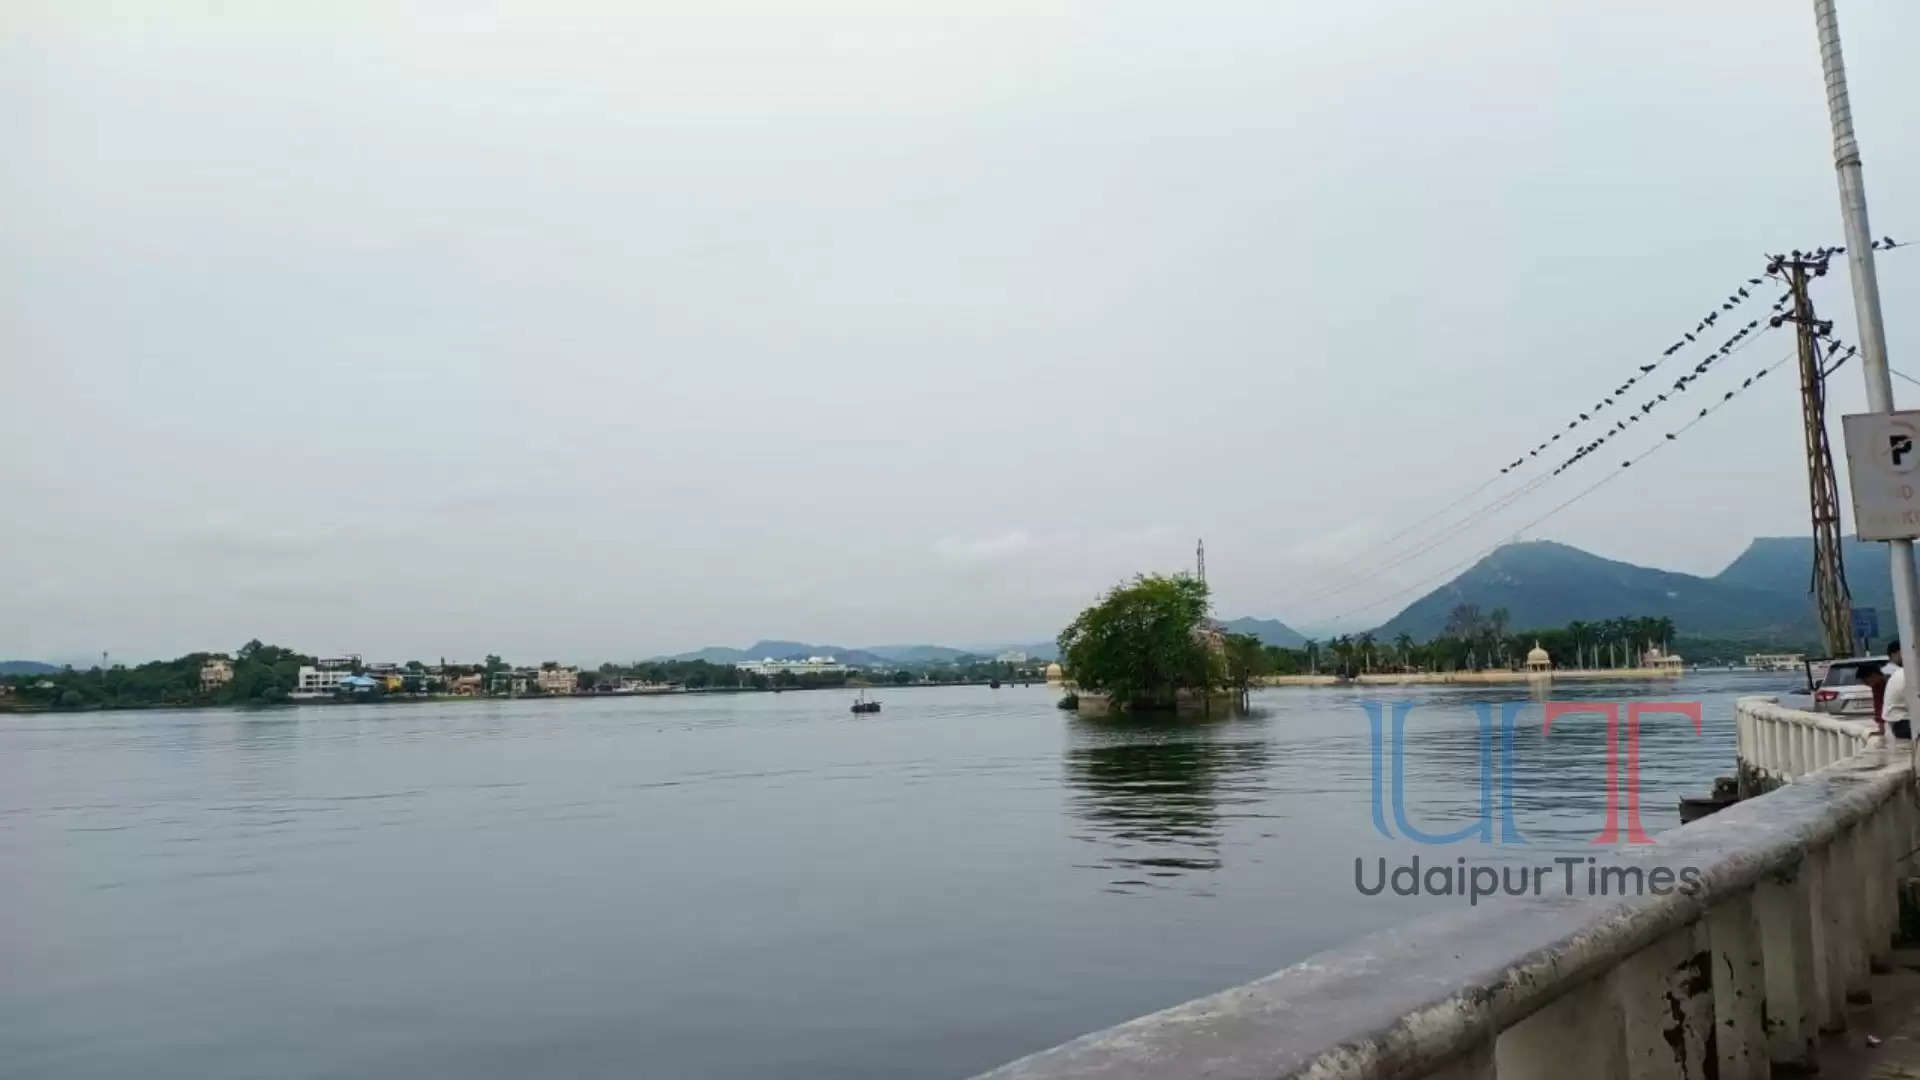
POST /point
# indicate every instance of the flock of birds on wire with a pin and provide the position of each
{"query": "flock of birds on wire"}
(1816, 262)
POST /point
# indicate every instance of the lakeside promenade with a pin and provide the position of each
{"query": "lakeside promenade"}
(1407, 678)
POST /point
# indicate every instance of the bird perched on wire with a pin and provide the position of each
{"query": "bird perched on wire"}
(1583, 416)
(1644, 368)
(1689, 337)
(1670, 435)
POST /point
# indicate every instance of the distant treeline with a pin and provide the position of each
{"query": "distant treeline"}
(262, 675)
(705, 675)
(269, 674)
(1473, 641)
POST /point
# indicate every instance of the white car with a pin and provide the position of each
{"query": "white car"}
(1840, 692)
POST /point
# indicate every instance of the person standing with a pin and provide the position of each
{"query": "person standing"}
(1893, 711)
(1874, 674)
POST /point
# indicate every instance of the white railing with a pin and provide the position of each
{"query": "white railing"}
(1777, 745)
(1795, 896)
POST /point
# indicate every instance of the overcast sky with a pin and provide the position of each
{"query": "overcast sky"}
(566, 334)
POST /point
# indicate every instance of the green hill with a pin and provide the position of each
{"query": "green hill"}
(1542, 583)
(1269, 631)
(1786, 563)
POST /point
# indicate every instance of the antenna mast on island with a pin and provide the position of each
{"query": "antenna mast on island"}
(1200, 560)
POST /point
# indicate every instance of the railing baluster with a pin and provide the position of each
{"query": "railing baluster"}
(1666, 1000)
(1577, 1037)
(1833, 931)
(1477, 1065)
(1873, 858)
(1783, 909)
(1739, 990)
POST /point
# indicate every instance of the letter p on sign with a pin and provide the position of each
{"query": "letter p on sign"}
(1881, 456)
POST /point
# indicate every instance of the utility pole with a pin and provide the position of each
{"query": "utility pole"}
(1829, 584)
(1866, 298)
(1200, 559)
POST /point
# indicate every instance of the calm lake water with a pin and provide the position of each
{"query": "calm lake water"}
(719, 886)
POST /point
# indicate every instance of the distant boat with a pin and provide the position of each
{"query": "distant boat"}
(862, 705)
(996, 684)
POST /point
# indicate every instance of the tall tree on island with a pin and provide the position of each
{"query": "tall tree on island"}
(1143, 643)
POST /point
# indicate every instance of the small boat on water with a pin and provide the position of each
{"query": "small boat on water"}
(862, 704)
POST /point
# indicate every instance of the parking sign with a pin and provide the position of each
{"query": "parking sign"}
(1883, 450)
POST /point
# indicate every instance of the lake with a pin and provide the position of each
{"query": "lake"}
(722, 885)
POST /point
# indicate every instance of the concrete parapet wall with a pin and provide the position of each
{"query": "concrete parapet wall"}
(1727, 978)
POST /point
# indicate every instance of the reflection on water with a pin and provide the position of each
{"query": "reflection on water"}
(1153, 793)
(1158, 798)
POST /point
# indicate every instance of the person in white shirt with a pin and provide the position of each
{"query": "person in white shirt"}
(1893, 711)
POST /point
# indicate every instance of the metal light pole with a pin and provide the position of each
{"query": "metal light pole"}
(1866, 307)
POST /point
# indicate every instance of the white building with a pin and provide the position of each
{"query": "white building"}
(321, 680)
(215, 672)
(812, 665)
(557, 680)
(1012, 656)
(1538, 661)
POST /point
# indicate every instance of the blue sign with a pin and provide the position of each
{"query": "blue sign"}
(1866, 623)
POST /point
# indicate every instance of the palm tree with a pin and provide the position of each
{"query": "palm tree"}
(1404, 646)
(1343, 653)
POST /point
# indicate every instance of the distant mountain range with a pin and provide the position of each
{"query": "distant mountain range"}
(26, 667)
(1269, 631)
(1763, 593)
(870, 656)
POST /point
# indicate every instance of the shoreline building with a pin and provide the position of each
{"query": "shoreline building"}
(812, 665)
(557, 680)
(326, 676)
(1662, 661)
